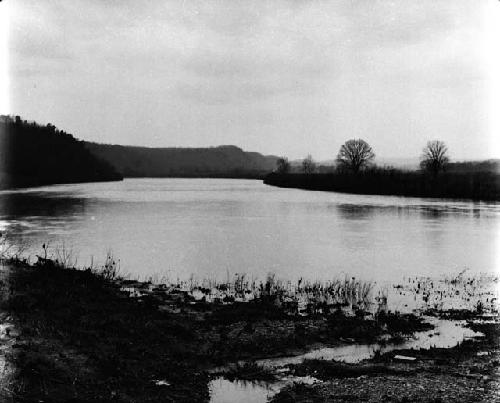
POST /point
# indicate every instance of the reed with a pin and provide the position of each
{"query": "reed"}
(301, 296)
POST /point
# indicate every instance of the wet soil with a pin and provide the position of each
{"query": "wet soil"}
(466, 373)
(8, 335)
(83, 339)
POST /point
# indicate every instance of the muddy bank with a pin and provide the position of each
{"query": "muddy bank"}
(468, 372)
(82, 337)
(448, 343)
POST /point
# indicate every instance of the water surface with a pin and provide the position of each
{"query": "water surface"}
(218, 227)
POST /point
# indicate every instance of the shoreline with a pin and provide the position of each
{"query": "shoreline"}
(474, 186)
(82, 336)
(125, 349)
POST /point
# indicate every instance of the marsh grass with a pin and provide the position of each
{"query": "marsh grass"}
(111, 268)
(85, 339)
(10, 250)
(65, 257)
(302, 296)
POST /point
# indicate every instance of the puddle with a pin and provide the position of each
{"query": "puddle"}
(446, 334)
(224, 391)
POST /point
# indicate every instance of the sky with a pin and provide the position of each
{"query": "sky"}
(278, 77)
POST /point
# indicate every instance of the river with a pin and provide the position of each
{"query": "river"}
(169, 228)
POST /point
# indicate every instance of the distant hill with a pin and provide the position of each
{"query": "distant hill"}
(223, 161)
(33, 155)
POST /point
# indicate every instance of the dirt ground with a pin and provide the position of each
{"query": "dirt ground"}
(8, 334)
(467, 373)
(77, 337)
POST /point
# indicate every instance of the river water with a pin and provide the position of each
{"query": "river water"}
(218, 227)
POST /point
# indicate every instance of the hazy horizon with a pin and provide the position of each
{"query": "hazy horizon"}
(282, 78)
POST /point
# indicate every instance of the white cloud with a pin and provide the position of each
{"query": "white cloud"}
(287, 77)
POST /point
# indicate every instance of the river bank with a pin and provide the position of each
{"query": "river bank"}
(87, 335)
(465, 370)
(468, 372)
(473, 185)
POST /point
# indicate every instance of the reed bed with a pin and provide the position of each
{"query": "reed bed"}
(478, 292)
(302, 296)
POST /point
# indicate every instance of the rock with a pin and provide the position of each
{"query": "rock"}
(161, 383)
(404, 358)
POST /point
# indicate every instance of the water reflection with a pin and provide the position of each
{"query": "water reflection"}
(224, 391)
(431, 210)
(40, 204)
(446, 334)
(31, 219)
(356, 212)
(210, 227)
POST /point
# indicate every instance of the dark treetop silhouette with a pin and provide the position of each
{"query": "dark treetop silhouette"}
(434, 158)
(355, 155)
(32, 155)
(308, 165)
(282, 165)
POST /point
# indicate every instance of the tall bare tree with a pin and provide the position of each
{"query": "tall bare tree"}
(355, 155)
(434, 157)
(282, 165)
(308, 165)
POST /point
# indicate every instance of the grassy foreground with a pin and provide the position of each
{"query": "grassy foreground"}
(83, 339)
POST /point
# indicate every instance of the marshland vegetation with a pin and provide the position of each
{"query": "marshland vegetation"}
(125, 340)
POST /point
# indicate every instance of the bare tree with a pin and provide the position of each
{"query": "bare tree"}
(282, 165)
(355, 155)
(308, 165)
(434, 158)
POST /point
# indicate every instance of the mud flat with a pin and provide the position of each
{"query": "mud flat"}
(459, 365)
(469, 372)
(87, 335)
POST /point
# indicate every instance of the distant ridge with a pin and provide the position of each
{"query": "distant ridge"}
(226, 161)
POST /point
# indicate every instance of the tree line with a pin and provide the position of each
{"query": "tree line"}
(355, 172)
(32, 154)
(357, 155)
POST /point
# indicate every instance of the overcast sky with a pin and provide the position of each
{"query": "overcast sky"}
(279, 77)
